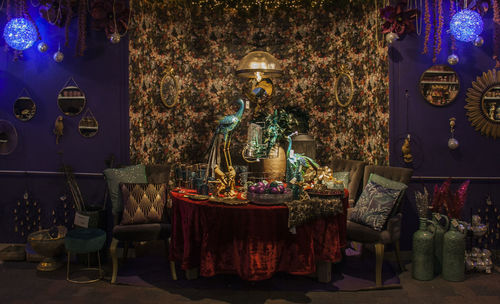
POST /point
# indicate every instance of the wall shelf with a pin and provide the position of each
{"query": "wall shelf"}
(438, 82)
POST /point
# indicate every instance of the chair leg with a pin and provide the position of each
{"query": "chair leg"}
(398, 256)
(379, 252)
(173, 272)
(114, 258)
(67, 267)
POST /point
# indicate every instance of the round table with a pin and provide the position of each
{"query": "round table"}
(253, 241)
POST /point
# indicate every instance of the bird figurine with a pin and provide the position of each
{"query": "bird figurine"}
(224, 129)
(58, 128)
(296, 164)
(406, 150)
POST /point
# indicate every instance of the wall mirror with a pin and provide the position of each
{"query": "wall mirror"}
(169, 89)
(483, 103)
(24, 108)
(71, 99)
(88, 125)
(439, 85)
(343, 89)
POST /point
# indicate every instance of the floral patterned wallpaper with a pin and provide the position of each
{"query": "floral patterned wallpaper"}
(204, 49)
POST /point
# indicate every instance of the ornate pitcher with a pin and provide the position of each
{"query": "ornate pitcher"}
(454, 253)
(423, 252)
(439, 231)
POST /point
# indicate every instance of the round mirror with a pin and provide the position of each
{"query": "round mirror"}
(71, 100)
(490, 103)
(483, 103)
(169, 89)
(439, 85)
(343, 89)
(24, 108)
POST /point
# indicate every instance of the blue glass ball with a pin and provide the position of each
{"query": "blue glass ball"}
(20, 34)
(466, 25)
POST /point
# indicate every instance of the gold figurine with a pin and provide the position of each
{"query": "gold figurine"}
(407, 156)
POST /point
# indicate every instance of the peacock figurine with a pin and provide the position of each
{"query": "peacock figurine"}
(296, 164)
(224, 131)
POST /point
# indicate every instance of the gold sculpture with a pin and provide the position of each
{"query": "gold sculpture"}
(406, 149)
(225, 182)
(58, 128)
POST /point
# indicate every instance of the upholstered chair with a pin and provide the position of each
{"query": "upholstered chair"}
(355, 169)
(140, 210)
(391, 231)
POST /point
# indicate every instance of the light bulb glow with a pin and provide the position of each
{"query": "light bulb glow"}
(20, 34)
(466, 25)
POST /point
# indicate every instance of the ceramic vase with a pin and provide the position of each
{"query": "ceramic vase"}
(454, 254)
(423, 253)
(441, 225)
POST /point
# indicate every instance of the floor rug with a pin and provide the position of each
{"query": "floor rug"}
(354, 273)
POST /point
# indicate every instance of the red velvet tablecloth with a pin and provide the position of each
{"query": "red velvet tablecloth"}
(250, 240)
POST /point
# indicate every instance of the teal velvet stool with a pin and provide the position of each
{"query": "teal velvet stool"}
(85, 240)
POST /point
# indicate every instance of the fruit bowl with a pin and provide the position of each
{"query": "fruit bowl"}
(270, 198)
(49, 243)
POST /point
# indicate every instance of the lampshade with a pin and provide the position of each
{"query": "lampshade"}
(259, 64)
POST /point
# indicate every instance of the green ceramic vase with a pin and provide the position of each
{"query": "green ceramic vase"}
(423, 253)
(454, 254)
(441, 225)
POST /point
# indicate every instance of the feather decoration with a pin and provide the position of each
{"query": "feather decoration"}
(422, 202)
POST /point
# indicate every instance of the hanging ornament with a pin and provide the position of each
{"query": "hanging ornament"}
(479, 41)
(115, 38)
(391, 37)
(20, 33)
(42, 47)
(466, 25)
(453, 59)
(58, 56)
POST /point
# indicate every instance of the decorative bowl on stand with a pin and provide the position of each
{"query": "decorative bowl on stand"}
(49, 243)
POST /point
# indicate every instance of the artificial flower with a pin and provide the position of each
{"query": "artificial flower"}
(397, 19)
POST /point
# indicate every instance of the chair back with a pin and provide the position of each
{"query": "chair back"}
(355, 169)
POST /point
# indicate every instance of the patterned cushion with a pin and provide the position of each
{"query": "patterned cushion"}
(389, 183)
(343, 176)
(131, 174)
(374, 206)
(143, 203)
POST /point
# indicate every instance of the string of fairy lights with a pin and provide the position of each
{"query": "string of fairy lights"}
(265, 4)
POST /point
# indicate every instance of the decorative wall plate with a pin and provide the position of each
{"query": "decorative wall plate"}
(169, 89)
(483, 103)
(71, 99)
(24, 107)
(439, 85)
(88, 125)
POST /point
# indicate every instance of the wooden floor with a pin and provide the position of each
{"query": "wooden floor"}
(21, 283)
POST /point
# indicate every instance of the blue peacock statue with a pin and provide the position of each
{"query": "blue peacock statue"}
(224, 131)
(296, 164)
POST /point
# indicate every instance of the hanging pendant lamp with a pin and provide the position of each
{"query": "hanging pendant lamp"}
(259, 64)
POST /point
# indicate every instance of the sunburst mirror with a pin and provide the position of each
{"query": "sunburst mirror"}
(483, 103)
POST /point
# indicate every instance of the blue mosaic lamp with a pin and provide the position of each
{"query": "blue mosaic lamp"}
(466, 25)
(20, 34)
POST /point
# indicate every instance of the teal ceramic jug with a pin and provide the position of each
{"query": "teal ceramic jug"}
(454, 253)
(423, 252)
(441, 225)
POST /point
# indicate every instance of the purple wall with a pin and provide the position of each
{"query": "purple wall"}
(103, 75)
(477, 156)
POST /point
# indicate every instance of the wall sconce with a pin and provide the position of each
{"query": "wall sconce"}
(452, 141)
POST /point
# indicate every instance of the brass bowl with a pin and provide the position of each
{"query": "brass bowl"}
(49, 247)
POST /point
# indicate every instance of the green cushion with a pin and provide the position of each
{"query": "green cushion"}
(389, 183)
(343, 176)
(374, 206)
(84, 240)
(131, 174)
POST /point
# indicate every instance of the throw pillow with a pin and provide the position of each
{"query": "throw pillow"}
(131, 174)
(391, 184)
(374, 206)
(143, 203)
(343, 176)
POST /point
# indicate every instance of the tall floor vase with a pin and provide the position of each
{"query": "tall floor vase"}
(454, 254)
(423, 253)
(441, 225)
